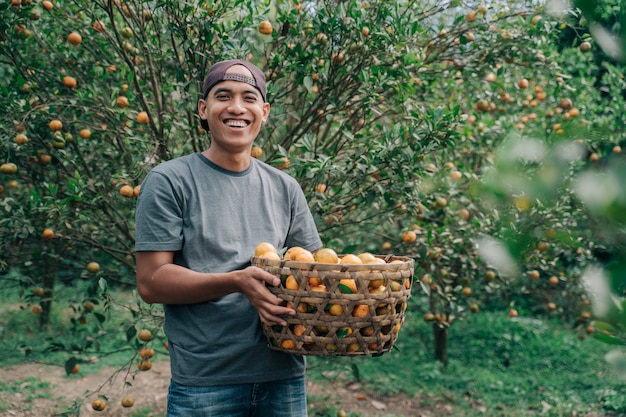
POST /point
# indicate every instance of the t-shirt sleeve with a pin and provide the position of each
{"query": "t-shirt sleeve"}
(158, 215)
(303, 230)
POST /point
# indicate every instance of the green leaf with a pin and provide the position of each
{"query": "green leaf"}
(344, 289)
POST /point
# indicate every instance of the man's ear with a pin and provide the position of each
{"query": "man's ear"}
(266, 111)
(202, 108)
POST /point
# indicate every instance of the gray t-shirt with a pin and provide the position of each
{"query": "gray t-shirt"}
(213, 219)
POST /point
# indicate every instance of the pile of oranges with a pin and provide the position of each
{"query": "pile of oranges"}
(374, 283)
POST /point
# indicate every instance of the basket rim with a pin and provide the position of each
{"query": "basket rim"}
(406, 262)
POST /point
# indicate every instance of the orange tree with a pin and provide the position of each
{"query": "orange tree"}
(581, 168)
(386, 112)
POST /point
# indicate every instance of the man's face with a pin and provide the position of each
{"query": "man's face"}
(234, 111)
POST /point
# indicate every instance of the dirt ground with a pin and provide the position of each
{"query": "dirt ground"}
(42, 390)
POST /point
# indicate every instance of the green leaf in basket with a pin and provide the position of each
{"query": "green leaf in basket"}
(283, 279)
(345, 289)
(347, 286)
(344, 332)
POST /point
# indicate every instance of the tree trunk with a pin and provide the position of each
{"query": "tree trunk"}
(49, 281)
(441, 343)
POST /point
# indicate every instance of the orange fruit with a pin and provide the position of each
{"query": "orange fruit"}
(353, 347)
(360, 310)
(263, 248)
(21, 139)
(367, 258)
(84, 133)
(69, 82)
(144, 335)
(335, 310)
(143, 118)
(304, 256)
(38, 292)
(466, 291)
(47, 234)
(55, 125)
(320, 288)
(98, 404)
(315, 281)
(37, 309)
(45, 158)
(350, 259)
(326, 256)
(265, 27)
(290, 255)
(8, 168)
(367, 331)
(144, 365)
(74, 38)
(127, 401)
(376, 283)
(534, 274)
(98, 26)
(256, 152)
(121, 101)
(47, 4)
(291, 283)
(89, 306)
(512, 313)
(126, 191)
(93, 267)
(146, 352)
(283, 163)
(585, 47)
(270, 255)
(75, 369)
(409, 236)
(553, 280)
(288, 344)
(299, 329)
(395, 286)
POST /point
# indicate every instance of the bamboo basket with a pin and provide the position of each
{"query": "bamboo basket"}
(342, 318)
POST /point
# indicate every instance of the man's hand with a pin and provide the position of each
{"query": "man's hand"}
(254, 285)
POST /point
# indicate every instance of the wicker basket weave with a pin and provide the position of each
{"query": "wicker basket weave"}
(337, 321)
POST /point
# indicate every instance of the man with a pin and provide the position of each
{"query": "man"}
(198, 220)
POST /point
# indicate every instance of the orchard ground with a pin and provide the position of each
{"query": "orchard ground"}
(37, 390)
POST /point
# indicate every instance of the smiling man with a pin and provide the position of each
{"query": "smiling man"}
(199, 218)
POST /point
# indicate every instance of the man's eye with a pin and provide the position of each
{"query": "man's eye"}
(251, 98)
(222, 96)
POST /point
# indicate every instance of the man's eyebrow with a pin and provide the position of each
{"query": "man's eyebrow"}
(229, 90)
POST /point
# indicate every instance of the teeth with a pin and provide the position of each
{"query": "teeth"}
(236, 123)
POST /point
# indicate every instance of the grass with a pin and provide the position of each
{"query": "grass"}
(498, 366)
(516, 367)
(29, 388)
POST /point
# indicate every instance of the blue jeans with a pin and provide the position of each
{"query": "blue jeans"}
(284, 398)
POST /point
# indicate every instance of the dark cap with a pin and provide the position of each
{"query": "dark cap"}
(217, 73)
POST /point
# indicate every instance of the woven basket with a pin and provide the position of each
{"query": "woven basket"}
(340, 321)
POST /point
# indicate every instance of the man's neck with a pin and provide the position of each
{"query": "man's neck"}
(230, 161)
